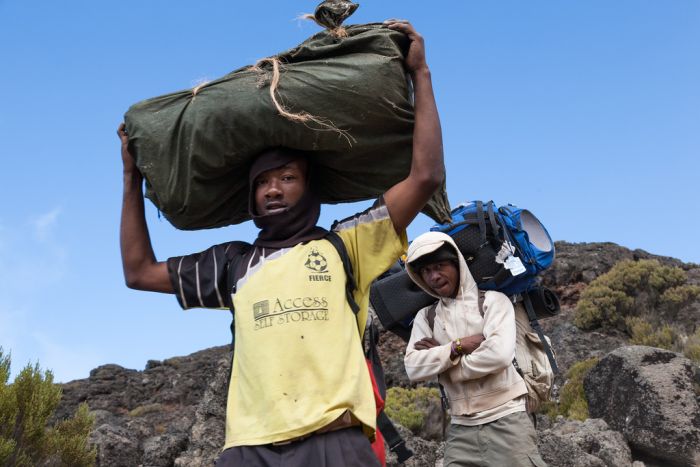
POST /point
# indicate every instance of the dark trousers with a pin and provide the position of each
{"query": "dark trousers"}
(342, 448)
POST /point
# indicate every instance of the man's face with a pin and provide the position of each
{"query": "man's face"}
(281, 188)
(442, 277)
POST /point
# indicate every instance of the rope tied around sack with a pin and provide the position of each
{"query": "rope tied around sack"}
(302, 117)
(330, 15)
(339, 32)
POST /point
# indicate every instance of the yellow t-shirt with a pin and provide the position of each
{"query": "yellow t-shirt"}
(298, 362)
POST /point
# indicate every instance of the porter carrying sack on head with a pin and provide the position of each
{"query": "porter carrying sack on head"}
(342, 96)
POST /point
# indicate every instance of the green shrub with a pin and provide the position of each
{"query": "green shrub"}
(643, 333)
(692, 347)
(69, 439)
(647, 274)
(572, 398)
(601, 306)
(7, 411)
(408, 406)
(633, 288)
(26, 406)
(680, 296)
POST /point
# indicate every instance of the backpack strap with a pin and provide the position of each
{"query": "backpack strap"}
(480, 219)
(350, 284)
(393, 439)
(482, 297)
(534, 324)
(495, 227)
(480, 302)
(431, 315)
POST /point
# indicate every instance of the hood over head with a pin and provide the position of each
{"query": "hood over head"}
(425, 245)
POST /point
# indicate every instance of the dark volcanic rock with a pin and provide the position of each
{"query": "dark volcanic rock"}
(573, 345)
(648, 395)
(178, 381)
(161, 451)
(116, 446)
(391, 350)
(146, 418)
(560, 451)
(207, 434)
(601, 445)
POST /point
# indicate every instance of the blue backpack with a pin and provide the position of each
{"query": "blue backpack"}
(505, 248)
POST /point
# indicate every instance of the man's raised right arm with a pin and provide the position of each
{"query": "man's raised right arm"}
(141, 269)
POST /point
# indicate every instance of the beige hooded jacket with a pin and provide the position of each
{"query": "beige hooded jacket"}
(485, 380)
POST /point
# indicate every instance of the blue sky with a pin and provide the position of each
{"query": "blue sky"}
(586, 112)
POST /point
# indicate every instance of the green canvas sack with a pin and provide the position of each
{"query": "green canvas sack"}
(342, 95)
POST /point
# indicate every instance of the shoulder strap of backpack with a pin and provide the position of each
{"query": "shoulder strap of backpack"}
(482, 297)
(393, 439)
(431, 315)
(480, 219)
(480, 302)
(350, 284)
(534, 324)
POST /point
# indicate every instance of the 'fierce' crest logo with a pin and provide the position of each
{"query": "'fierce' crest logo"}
(316, 262)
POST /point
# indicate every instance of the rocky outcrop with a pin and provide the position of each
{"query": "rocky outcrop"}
(391, 351)
(163, 386)
(562, 452)
(589, 443)
(573, 345)
(207, 433)
(577, 264)
(648, 395)
(154, 417)
(116, 445)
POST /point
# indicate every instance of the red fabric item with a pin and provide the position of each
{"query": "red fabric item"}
(378, 444)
